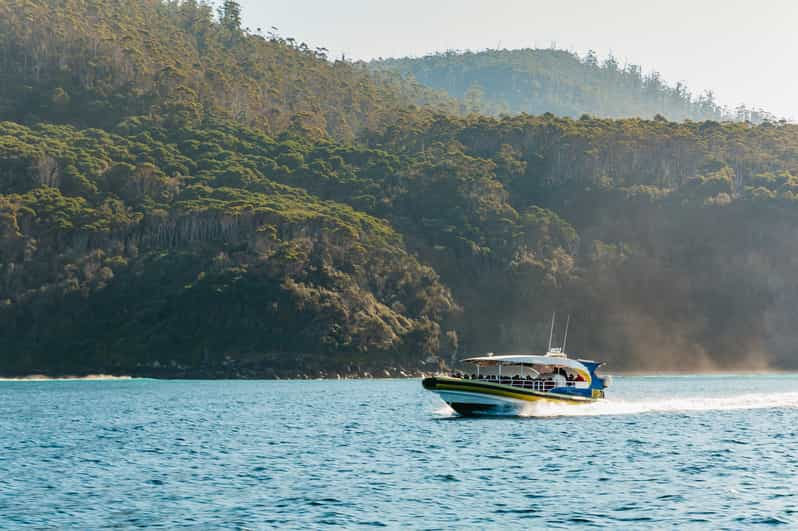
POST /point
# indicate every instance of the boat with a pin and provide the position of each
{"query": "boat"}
(510, 384)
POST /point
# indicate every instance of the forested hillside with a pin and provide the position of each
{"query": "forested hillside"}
(171, 244)
(179, 196)
(92, 63)
(672, 244)
(536, 81)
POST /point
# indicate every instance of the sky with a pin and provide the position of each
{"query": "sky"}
(743, 50)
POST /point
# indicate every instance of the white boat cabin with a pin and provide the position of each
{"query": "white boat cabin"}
(537, 372)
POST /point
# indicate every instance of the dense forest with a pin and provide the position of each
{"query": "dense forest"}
(536, 81)
(92, 63)
(181, 196)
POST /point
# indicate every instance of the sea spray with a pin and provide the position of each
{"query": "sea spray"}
(663, 405)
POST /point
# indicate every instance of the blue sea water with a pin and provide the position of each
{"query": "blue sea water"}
(704, 452)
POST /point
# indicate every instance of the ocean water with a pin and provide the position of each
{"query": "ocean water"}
(703, 452)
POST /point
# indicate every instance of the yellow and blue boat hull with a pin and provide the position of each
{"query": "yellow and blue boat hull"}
(478, 397)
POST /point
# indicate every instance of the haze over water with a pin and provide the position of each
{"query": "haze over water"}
(705, 451)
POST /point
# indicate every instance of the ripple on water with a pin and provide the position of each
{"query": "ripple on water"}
(661, 453)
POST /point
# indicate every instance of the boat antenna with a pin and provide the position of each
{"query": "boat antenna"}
(565, 338)
(551, 333)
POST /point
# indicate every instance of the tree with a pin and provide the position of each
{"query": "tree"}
(591, 59)
(473, 98)
(231, 16)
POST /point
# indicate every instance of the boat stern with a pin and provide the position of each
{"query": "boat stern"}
(598, 383)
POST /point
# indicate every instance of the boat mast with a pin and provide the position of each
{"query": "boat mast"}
(551, 333)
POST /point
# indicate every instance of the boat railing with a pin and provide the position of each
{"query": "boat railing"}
(532, 384)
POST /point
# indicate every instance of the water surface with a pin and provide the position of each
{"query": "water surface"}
(714, 452)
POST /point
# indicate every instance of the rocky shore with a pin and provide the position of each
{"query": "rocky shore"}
(199, 374)
(229, 369)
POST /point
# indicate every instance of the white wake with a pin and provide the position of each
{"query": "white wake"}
(612, 406)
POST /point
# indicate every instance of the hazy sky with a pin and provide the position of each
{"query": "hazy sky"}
(744, 50)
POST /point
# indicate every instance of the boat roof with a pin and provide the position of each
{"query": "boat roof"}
(525, 359)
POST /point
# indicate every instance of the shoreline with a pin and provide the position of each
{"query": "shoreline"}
(730, 372)
(46, 378)
(365, 375)
(223, 373)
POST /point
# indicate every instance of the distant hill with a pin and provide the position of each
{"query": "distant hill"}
(537, 81)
